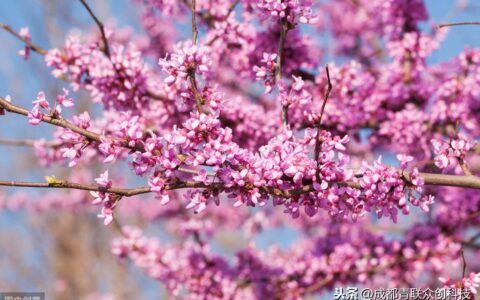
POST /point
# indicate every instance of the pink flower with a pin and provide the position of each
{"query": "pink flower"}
(64, 100)
(293, 11)
(103, 180)
(404, 160)
(470, 283)
(24, 33)
(185, 58)
(454, 150)
(35, 115)
(41, 101)
(266, 72)
(107, 215)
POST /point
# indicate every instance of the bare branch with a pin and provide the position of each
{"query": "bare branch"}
(193, 79)
(284, 27)
(327, 95)
(28, 143)
(106, 47)
(464, 269)
(8, 142)
(194, 22)
(457, 24)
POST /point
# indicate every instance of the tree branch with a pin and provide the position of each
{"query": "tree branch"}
(457, 24)
(429, 178)
(106, 47)
(63, 184)
(230, 10)
(318, 143)
(194, 22)
(193, 79)
(327, 95)
(92, 136)
(31, 45)
(278, 70)
(30, 143)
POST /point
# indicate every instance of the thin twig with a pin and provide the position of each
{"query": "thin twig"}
(194, 22)
(63, 184)
(31, 45)
(31, 143)
(284, 27)
(230, 10)
(327, 95)
(458, 24)
(464, 263)
(193, 79)
(106, 49)
(196, 93)
(318, 143)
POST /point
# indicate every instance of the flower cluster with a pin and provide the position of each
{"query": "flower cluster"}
(400, 16)
(471, 283)
(75, 144)
(352, 86)
(455, 150)
(266, 72)
(298, 52)
(189, 266)
(119, 81)
(107, 200)
(385, 190)
(35, 115)
(297, 93)
(408, 128)
(293, 11)
(187, 59)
